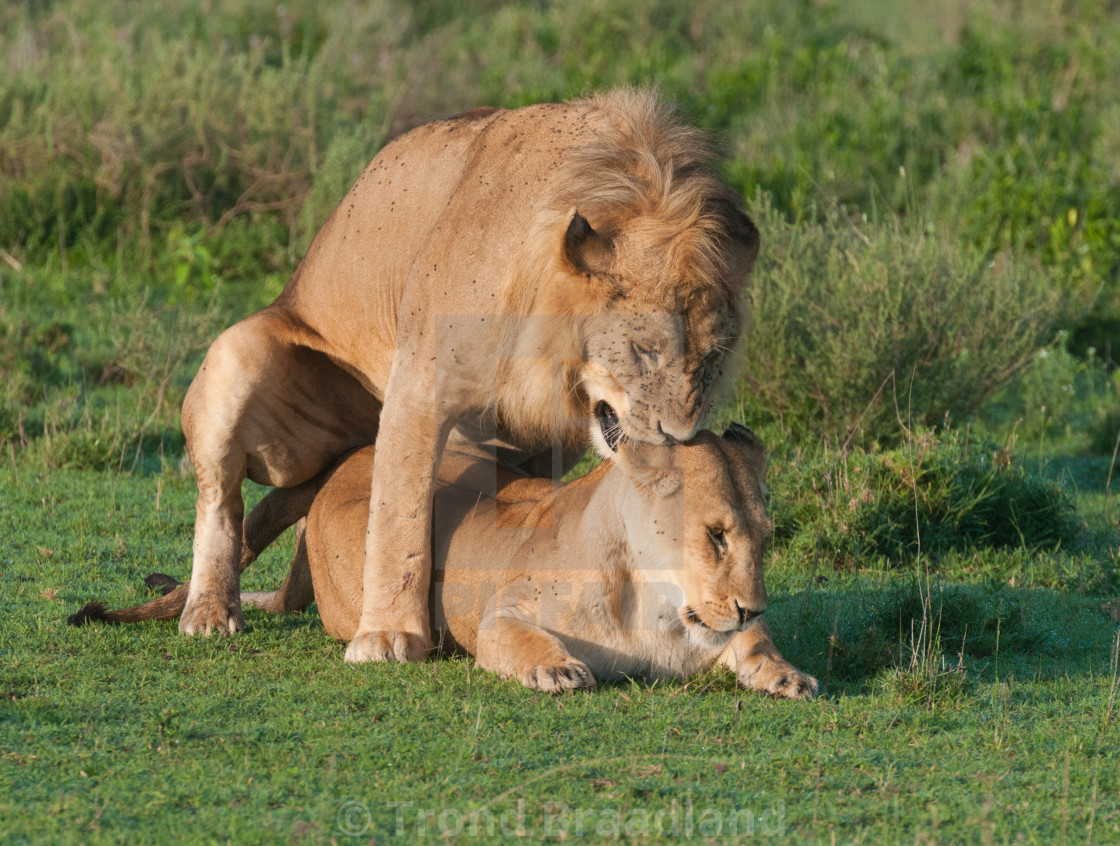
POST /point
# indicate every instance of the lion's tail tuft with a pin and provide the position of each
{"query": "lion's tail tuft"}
(91, 612)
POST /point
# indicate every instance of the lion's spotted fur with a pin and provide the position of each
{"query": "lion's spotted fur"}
(496, 276)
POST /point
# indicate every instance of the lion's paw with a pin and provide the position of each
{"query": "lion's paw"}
(400, 647)
(569, 674)
(210, 614)
(783, 681)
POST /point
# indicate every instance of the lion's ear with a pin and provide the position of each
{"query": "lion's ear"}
(749, 444)
(585, 249)
(747, 239)
(737, 433)
(742, 238)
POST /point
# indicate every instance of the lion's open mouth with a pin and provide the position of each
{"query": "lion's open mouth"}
(609, 425)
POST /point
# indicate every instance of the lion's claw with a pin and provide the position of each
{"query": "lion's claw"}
(401, 647)
(783, 681)
(794, 685)
(571, 674)
(208, 614)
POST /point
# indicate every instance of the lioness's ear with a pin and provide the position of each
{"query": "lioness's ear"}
(749, 444)
(737, 433)
(584, 248)
(650, 466)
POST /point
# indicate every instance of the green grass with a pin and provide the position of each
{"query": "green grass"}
(113, 734)
(932, 364)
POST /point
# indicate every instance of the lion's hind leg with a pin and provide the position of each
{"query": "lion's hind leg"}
(280, 509)
(266, 406)
(297, 593)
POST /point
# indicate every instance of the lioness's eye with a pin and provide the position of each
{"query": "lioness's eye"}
(716, 536)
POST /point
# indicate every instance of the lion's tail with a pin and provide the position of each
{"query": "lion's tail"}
(167, 607)
(283, 507)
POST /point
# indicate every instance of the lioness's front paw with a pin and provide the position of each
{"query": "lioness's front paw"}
(210, 614)
(570, 674)
(401, 647)
(782, 680)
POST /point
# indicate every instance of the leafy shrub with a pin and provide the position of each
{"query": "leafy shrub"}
(1032, 174)
(1063, 397)
(1104, 434)
(103, 444)
(117, 128)
(94, 385)
(201, 144)
(854, 329)
(910, 638)
(976, 620)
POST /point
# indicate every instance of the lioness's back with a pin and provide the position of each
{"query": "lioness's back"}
(337, 526)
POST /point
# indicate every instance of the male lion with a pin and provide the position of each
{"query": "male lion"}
(500, 275)
(651, 565)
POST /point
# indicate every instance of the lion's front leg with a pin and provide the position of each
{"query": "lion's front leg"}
(512, 644)
(758, 665)
(394, 623)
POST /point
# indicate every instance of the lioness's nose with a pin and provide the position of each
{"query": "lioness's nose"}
(748, 614)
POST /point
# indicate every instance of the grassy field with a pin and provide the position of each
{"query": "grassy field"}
(137, 733)
(931, 363)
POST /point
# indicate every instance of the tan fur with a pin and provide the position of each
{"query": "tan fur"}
(614, 575)
(491, 277)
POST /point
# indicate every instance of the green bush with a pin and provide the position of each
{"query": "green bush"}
(109, 128)
(87, 382)
(1035, 173)
(857, 328)
(909, 636)
(1061, 397)
(119, 118)
(192, 150)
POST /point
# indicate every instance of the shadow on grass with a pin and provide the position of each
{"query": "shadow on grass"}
(852, 636)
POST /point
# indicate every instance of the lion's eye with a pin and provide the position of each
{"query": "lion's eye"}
(709, 368)
(718, 539)
(648, 357)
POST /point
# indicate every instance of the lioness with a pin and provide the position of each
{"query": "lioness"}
(501, 275)
(649, 566)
